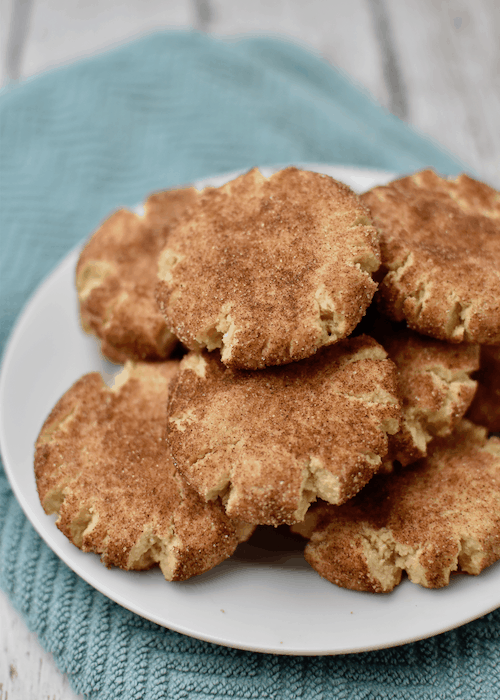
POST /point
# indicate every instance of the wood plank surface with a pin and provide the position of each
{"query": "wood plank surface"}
(449, 58)
(62, 31)
(27, 672)
(341, 32)
(434, 64)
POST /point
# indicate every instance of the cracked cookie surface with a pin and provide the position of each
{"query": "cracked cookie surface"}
(268, 442)
(116, 277)
(440, 515)
(101, 465)
(269, 269)
(434, 384)
(440, 245)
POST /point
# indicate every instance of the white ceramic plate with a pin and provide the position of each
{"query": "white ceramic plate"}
(265, 598)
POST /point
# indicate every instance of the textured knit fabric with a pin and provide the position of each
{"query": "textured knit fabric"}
(75, 144)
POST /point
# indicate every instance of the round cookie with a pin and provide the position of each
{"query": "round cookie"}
(440, 243)
(485, 408)
(434, 384)
(269, 269)
(101, 464)
(116, 277)
(440, 515)
(267, 443)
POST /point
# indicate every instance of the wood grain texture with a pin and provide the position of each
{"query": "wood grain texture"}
(8, 39)
(27, 672)
(449, 58)
(341, 32)
(61, 31)
(395, 85)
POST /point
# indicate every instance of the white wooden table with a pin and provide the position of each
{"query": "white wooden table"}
(434, 64)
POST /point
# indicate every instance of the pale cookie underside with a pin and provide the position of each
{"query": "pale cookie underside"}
(101, 465)
(268, 270)
(268, 443)
(440, 242)
(116, 278)
(429, 520)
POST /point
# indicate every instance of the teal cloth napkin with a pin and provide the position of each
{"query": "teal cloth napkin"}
(76, 143)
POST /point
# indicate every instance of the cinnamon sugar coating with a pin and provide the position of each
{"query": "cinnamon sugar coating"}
(485, 408)
(101, 464)
(116, 278)
(440, 515)
(268, 442)
(434, 384)
(269, 269)
(440, 243)
(165, 209)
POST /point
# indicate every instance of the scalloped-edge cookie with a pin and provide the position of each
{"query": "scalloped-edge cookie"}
(440, 245)
(268, 442)
(434, 384)
(485, 408)
(440, 515)
(269, 269)
(102, 466)
(116, 277)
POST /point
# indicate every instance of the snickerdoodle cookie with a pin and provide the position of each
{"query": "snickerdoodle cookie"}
(101, 464)
(269, 269)
(434, 384)
(440, 515)
(485, 408)
(116, 278)
(269, 442)
(440, 245)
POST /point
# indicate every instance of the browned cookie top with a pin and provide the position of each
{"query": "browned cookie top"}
(101, 464)
(440, 242)
(430, 519)
(269, 269)
(165, 209)
(116, 278)
(269, 442)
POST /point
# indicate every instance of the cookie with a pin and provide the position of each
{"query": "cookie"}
(268, 442)
(165, 209)
(116, 277)
(485, 408)
(434, 384)
(440, 245)
(101, 464)
(435, 517)
(269, 269)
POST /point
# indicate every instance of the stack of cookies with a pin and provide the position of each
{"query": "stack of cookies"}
(294, 355)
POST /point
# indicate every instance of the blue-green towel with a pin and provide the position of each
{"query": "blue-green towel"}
(74, 144)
